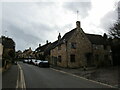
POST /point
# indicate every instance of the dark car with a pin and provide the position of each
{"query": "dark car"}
(44, 64)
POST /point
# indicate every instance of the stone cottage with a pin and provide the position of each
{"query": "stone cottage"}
(77, 49)
(42, 52)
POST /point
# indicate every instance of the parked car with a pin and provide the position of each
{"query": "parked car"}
(29, 61)
(44, 64)
(25, 61)
(38, 61)
(33, 61)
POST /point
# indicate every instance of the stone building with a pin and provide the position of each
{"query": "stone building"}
(77, 49)
(42, 52)
(8, 54)
(27, 53)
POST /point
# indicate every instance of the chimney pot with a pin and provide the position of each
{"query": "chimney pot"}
(46, 41)
(39, 45)
(78, 24)
(59, 37)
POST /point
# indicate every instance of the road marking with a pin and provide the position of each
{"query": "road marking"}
(20, 81)
(83, 78)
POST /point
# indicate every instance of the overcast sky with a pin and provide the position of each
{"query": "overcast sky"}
(32, 23)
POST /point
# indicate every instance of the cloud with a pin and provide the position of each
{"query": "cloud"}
(108, 20)
(31, 23)
(0, 18)
(34, 22)
(20, 24)
(82, 7)
(23, 40)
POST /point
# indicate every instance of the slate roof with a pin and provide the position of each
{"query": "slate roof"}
(53, 44)
(42, 48)
(66, 37)
(96, 39)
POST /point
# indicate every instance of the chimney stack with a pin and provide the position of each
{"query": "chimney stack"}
(39, 45)
(78, 24)
(46, 41)
(59, 37)
(105, 36)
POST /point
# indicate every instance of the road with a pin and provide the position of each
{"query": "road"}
(36, 77)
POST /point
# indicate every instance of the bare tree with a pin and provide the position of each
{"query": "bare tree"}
(115, 30)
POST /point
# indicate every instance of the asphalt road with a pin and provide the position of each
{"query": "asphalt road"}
(36, 77)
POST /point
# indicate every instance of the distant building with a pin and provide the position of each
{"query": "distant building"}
(42, 52)
(19, 54)
(27, 53)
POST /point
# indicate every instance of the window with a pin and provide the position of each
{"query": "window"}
(59, 58)
(72, 58)
(73, 45)
(105, 47)
(59, 47)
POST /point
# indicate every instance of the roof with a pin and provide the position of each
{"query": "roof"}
(42, 48)
(52, 45)
(66, 37)
(96, 39)
(7, 42)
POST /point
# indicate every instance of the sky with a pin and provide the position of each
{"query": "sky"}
(32, 22)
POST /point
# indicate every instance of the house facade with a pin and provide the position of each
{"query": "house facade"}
(42, 52)
(78, 49)
(27, 53)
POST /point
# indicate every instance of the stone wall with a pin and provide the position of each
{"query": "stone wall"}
(83, 46)
(102, 56)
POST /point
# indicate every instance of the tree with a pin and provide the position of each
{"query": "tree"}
(115, 30)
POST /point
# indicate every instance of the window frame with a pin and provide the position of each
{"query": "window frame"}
(73, 45)
(59, 58)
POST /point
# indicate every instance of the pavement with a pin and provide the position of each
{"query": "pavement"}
(104, 75)
(36, 77)
(9, 77)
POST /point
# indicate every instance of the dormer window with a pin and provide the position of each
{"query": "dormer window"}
(73, 45)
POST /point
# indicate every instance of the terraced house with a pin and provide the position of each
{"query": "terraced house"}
(77, 49)
(43, 52)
